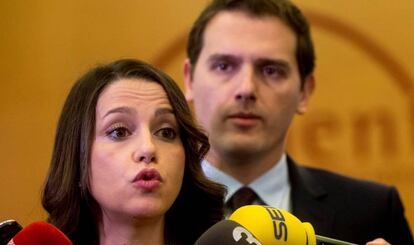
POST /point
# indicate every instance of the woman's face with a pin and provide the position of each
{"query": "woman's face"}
(137, 159)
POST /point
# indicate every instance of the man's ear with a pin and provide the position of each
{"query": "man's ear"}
(306, 93)
(188, 80)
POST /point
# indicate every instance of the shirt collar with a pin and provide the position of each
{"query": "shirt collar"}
(273, 187)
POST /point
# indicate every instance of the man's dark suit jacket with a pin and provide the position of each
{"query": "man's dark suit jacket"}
(347, 209)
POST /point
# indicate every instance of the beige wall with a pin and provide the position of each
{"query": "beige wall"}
(361, 120)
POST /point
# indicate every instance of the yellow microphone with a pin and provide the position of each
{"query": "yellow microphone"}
(274, 226)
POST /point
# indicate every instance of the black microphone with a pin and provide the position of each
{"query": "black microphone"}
(8, 229)
(227, 232)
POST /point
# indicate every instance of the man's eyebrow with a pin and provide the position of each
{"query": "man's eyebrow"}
(277, 62)
(122, 109)
(215, 57)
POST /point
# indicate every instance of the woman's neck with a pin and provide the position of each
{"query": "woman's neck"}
(132, 232)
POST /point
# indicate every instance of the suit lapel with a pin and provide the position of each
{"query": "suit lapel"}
(309, 199)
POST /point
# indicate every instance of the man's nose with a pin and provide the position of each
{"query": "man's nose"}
(247, 86)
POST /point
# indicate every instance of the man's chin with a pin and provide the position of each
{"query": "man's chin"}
(239, 147)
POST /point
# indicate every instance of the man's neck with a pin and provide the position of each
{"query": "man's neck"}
(245, 169)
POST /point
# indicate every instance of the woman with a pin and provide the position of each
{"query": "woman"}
(125, 167)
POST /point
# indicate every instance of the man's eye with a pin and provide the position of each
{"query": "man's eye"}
(168, 133)
(118, 133)
(269, 70)
(273, 71)
(222, 66)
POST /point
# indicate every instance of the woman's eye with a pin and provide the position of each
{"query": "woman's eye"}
(168, 133)
(118, 133)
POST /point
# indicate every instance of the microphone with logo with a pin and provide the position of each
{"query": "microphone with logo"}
(227, 232)
(277, 226)
(40, 233)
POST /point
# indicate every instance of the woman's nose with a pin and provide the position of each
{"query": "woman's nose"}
(145, 149)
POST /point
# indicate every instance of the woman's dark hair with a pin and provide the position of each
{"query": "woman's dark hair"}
(282, 9)
(66, 195)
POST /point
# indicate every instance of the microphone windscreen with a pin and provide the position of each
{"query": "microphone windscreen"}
(227, 232)
(8, 229)
(40, 233)
(273, 225)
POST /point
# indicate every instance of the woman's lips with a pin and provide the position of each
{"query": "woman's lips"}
(147, 179)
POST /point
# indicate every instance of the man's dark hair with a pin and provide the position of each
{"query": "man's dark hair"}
(282, 9)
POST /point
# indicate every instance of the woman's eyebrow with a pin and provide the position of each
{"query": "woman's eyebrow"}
(163, 111)
(122, 109)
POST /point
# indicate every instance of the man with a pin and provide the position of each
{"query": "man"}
(249, 71)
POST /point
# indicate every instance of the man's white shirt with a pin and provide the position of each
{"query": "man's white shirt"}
(272, 188)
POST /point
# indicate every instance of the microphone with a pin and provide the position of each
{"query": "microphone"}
(8, 229)
(276, 226)
(40, 233)
(227, 232)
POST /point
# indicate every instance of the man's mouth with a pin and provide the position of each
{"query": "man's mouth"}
(243, 119)
(245, 116)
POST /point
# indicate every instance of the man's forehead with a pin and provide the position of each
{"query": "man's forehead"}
(236, 33)
(241, 13)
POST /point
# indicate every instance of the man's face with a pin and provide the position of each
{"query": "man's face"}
(246, 86)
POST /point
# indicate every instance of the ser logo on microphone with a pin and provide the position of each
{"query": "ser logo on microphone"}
(279, 226)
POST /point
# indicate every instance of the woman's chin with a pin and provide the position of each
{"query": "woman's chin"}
(148, 210)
